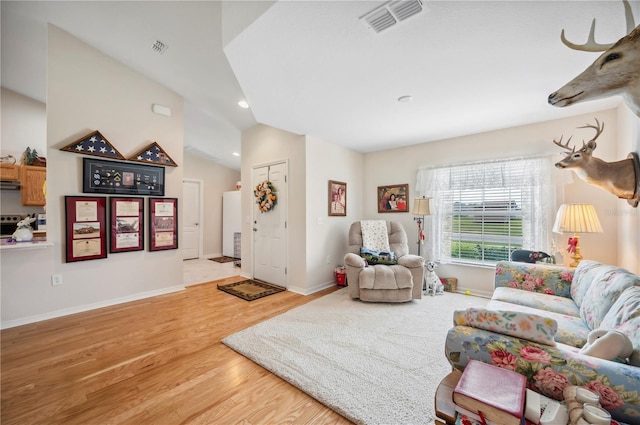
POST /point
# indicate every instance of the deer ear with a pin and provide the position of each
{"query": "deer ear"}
(591, 145)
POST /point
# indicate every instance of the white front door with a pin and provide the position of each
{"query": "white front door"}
(270, 252)
(191, 213)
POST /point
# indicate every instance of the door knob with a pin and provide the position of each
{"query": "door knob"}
(255, 230)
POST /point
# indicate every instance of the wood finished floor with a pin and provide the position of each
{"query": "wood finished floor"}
(155, 361)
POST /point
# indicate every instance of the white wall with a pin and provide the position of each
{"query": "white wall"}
(216, 179)
(87, 91)
(24, 124)
(327, 236)
(399, 166)
(628, 218)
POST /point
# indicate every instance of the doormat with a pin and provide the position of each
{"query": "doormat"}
(223, 259)
(251, 289)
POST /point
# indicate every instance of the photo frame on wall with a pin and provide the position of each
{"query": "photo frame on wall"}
(163, 224)
(337, 198)
(126, 224)
(86, 233)
(122, 178)
(393, 198)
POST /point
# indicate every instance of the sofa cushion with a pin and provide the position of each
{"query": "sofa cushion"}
(571, 330)
(385, 277)
(529, 326)
(545, 302)
(583, 277)
(624, 316)
(608, 283)
(542, 278)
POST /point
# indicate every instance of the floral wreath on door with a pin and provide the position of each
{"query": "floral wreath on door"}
(266, 196)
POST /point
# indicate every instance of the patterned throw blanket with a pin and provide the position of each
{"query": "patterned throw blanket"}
(374, 235)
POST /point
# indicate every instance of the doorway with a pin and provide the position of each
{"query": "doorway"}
(270, 242)
(192, 219)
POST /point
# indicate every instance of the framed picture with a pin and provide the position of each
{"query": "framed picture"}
(127, 224)
(163, 224)
(337, 198)
(86, 233)
(393, 198)
(122, 178)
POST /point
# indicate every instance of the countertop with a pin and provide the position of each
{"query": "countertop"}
(34, 244)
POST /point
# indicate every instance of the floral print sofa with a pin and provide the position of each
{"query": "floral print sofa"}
(540, 316)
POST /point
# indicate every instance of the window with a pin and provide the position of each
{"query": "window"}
(484, 211)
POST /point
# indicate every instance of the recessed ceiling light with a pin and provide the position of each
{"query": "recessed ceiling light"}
(243, 104)
(236, 154)
(405, 99)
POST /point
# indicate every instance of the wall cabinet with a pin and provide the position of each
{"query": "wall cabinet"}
(32, 181)
(9, 172)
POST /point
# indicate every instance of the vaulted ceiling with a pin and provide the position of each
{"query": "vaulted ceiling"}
(316, 67)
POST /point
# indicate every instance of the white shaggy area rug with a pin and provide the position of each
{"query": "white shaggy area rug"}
(373, 363)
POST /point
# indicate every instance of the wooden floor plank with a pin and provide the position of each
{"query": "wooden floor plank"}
(152, 361)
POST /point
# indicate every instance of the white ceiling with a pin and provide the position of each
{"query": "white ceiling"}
(315, 68)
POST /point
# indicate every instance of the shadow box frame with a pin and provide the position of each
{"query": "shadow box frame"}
(397, 190)
(334, 188)
(163, 224)
(126, 219)
(127, 174)
(82, 215)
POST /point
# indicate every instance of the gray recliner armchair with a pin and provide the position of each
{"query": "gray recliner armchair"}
(384, 283)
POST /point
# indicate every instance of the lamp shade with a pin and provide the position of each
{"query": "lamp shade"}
(577, 218)
(421, 206)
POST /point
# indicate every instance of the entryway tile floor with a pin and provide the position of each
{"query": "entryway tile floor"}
(202, 270)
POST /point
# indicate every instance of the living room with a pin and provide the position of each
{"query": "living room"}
(323, 237)
(88, 90)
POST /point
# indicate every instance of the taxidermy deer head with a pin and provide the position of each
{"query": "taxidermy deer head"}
(615, 72)
(618, 177)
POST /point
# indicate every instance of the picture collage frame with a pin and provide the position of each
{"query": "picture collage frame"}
(98, 225)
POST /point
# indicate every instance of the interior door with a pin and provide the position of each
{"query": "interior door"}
(191, 229)
(270, 252)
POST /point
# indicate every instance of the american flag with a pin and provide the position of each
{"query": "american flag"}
(153, 154)
(94, 144)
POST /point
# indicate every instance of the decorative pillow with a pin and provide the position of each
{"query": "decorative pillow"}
(378, 257)
(375, 235)
(528, 326)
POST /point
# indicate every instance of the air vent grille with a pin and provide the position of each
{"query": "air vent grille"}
(380, 20)
(159, 47)
(405, 9)
(390, 13)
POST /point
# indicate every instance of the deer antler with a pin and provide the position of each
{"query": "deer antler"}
(598, 128)
(591, 45)
(566, 145)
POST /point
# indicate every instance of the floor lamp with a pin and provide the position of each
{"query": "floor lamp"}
(576, 218)
(420, 209)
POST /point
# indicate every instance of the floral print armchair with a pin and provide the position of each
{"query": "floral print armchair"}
(568, 304)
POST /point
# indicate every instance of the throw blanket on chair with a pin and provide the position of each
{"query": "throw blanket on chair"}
(374, 235)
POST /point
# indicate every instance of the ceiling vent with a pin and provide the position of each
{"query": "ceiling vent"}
(390, 13)
(159, 47)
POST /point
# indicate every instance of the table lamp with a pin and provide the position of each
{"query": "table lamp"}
(421, 207)
(576, 218)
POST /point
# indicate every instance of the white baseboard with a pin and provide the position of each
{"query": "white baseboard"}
(475, 292)
(315, 288)
(79, 309)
